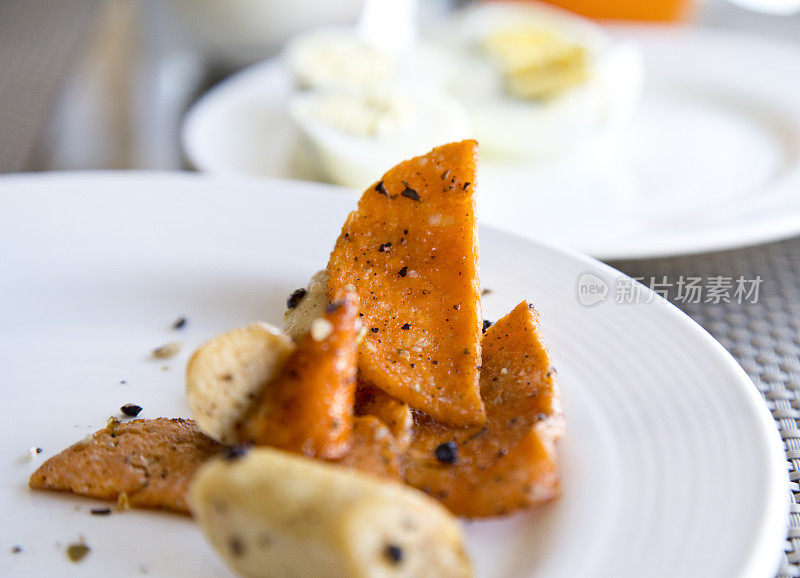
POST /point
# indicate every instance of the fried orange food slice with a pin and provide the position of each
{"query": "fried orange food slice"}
(308, 408)
(508, 463)
(150, 462)
(371, 401)
(374, 449)
(410, 251)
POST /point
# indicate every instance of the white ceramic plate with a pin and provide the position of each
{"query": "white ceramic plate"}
(672, 465)
(712, 160)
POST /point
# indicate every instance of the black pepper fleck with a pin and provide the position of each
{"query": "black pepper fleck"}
(381, 189)
(403, 272)
(16, 549)
(131, 409)
(393, 553)
(236, 452)
(385, 247)
(410, 193)
(295, 298)
(374, 329)
(447, 453)
(236, 546)
(406, 327)
(100, 511)
(180, 323)
(457, 307)
(487, 324)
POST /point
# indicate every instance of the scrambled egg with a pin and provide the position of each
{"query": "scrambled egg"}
(537, 63)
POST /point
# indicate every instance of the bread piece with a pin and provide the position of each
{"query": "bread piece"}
(510, 462)
(148, 463)
(228, 372)
(410, 252)
(308, 408)
(303, 310)
(270, 513)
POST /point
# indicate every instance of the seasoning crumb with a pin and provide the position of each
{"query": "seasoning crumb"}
(100, 511)
(410, 193)
(180, 323)
(111, 425)
(320, 329)
(295, 298)
(403, 272)
(77, 551)
(123, 381)
(167, 350)
(236, 546)
(131, 409)
(393, 553)
(123, 503)
(382, 189)
(237, 451)
(447, 453)
(374, 329)
(385, 247)
(34, 451)
(16, 549)
(486, 292)
(406, 327)
(487, 324)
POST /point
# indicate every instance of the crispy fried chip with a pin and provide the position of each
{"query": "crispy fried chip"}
(309, 407)
(410, 251)
(508, 463)
(149, 461)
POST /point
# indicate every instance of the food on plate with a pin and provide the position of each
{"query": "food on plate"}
(308, 408)
(356, 134)
(141, 463)
(271, 510)
(538, 82)
(508, 463)
(336, 58)
(374, 449)
(394, 413)
(388, 377)
(305, 305)
(229, 371)
(410, 253)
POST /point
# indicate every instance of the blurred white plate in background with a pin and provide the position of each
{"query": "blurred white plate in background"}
(672, 465)
(712, 160)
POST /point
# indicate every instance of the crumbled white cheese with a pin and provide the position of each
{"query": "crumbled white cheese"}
(321, 329)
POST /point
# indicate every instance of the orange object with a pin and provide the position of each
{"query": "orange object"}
(374, 450)
(394, 413)
(410, 251)
(656, 10)
(309, 408)
(145, 463)
(510, 462)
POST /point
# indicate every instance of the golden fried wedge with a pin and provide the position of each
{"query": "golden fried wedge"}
(150, 462)
(410, 251)
(508, 463)
(308, 408)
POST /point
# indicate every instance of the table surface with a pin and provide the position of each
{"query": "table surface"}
(61, 91)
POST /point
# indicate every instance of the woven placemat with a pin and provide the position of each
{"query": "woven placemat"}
(749, 300)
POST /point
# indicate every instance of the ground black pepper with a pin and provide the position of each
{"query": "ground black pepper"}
(403, 272)
(295, 298)
(447, 453)
(381, 189)
(393, 553)
(130, 409)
